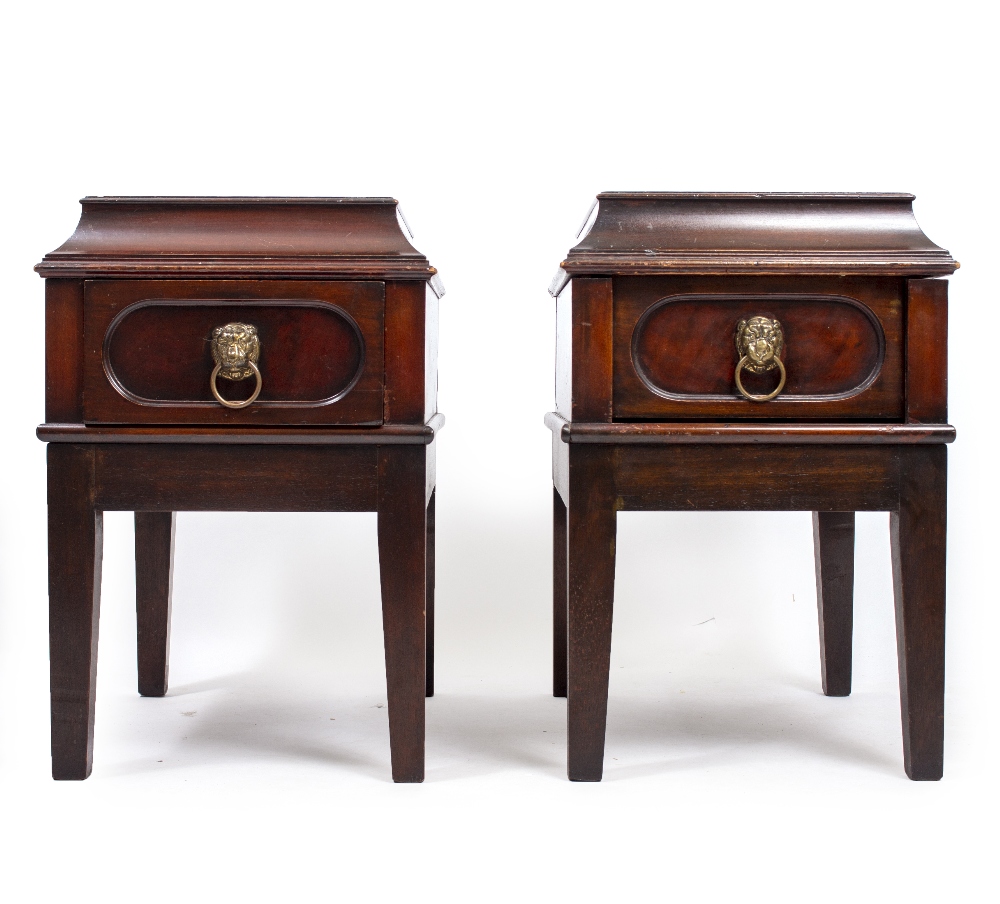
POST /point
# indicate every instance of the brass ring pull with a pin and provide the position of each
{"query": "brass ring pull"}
(245, 402)
(235, 350)
(759, 343)
(750, 395)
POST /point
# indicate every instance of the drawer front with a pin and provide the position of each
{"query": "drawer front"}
(676, 354)
(150, 356)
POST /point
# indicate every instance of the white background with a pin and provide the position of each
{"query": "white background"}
(264, 775)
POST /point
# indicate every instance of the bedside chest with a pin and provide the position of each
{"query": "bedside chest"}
(747, 352)
(236, 354)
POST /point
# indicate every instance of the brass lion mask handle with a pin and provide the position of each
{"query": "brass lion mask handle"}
(760, 344)
(235, 350)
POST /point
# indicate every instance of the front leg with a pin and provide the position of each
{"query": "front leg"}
(591, 530)
(918, 533)
(76, 543)
(402, 554)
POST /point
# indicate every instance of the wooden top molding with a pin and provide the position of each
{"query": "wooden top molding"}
(647, 233)
(312, 238)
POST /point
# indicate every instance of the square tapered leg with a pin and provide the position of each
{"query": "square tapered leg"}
(402, 549)
(558, 595)
(591, 529)
(76, 542)
(918, 538)
(154, 561)
(833, 543)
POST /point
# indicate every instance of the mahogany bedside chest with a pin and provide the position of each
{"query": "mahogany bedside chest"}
(236, 354)
(748, 352)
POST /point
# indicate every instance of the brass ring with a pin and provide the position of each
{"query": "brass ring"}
(256, 392)
(759, 398)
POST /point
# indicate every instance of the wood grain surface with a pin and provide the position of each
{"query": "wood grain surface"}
(76, 544)
(402, 554)
(154, 565)
(927, 351)
(833, 545)
(236, 238)
(591, 535)
(860, 424)
(321, 351)
(675, 352)
(221, 478)
(649, 233)
(131, 302)
(918, 535)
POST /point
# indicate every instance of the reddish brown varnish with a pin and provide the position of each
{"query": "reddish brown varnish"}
(675, 350)
(832, 348)
(927, 343)
(346, 313)
(149, 355)
(296, 337)
(651, 419)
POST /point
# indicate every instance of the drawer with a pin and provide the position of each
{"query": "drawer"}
(149, 355)
(676, 353)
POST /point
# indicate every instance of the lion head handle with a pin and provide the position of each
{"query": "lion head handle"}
(234, 347)
(760, 340)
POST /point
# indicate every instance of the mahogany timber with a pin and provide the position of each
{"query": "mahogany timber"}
(591, 517)
(402, 508)
(836, 346)
(652, 421)
(297, 334)
(927, 343)
(675, 354)
(370, 448)
(76, 548)
(735, 478)
(592, 341)
(917, 531)
(154, 564)
(429, 595)
(907, 481)
(235, 478)
(559, 589)
(833, 544)
(405, 361)
(387, 434)
(148, 351)
(63, 351)
(783, 432)
(725, 233)
(232, 238)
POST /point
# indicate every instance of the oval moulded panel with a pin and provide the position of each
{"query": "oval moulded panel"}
(684, 346)
(158, 352)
